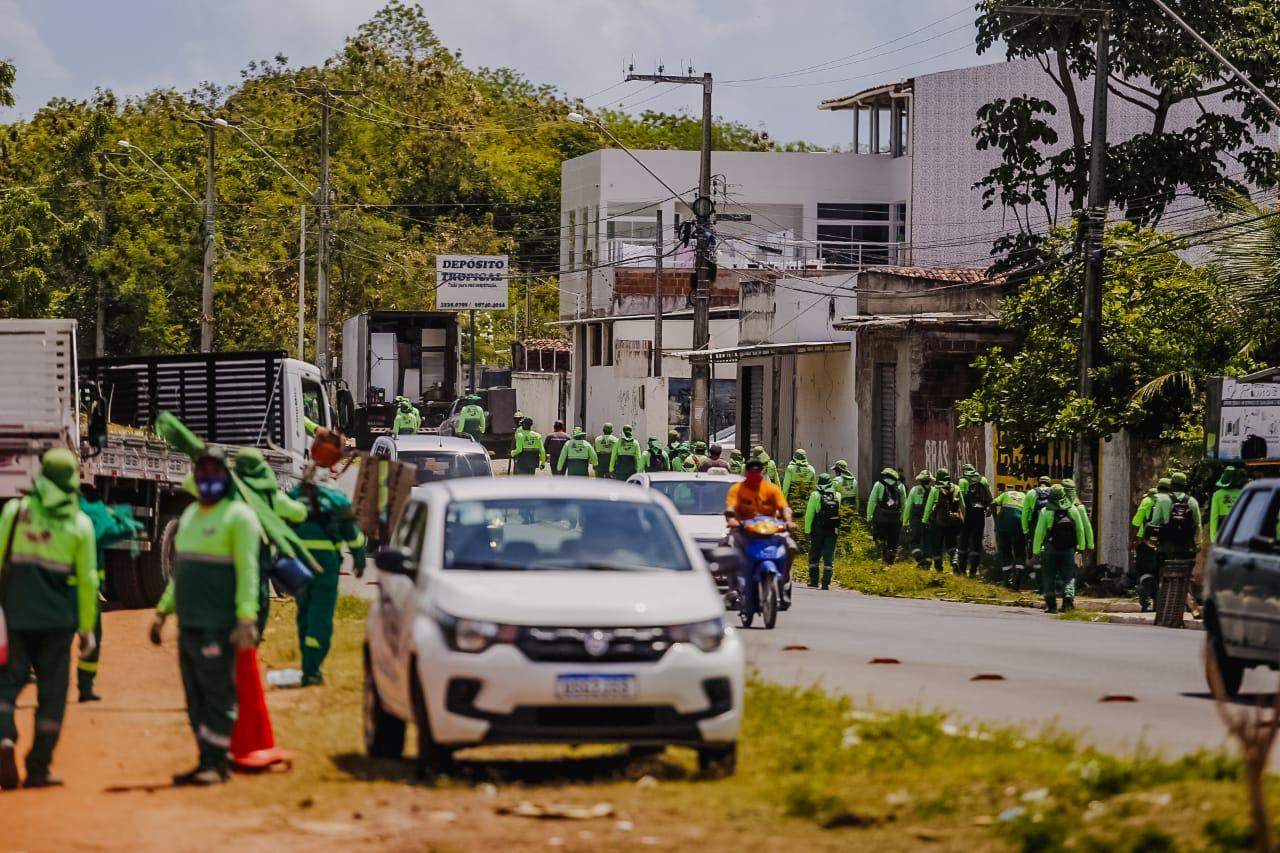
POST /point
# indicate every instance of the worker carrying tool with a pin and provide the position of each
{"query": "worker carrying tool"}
(49, 593)
(214, 592)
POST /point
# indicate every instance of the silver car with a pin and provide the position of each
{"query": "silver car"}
(442, 457)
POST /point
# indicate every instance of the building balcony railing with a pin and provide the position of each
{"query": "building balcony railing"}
(744, 253)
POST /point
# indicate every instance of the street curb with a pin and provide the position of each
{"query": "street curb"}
(1147, 619)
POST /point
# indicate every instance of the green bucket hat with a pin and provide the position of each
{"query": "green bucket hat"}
(800, 455)
(579, 432)
(1178, 480)
(969, 471)
(1044, 480)
(252, 469)
(924, 477)
(824, 480)
(1232, 478)
(890, 473)
(60, 467)
(942, 475)
(1164, 483)
(841, 467)
(1058, 498)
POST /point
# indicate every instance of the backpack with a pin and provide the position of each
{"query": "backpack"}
(1062, 533)
(949, 512)
(978, 496)
(1041, 504)
(828, 508)
(1179, 532)
(658, 461)
(890, 505)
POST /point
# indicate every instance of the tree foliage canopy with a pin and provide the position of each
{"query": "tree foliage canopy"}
(1163, 331)
(431, 157)
(1206, 131)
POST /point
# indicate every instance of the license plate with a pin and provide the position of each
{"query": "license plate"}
(575, 687)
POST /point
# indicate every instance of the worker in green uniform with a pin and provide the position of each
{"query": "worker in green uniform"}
(1175, 519)
(943, 518)
(1144, 553)
(1036, 503)
(604, 449)
(528, 450)
(407, 419)
(1225, 495)
(797, 483)
(1011, 542)
(885, 513)
(1078, 507)
(1149, 582)
(329, 527)
(471, 420)
(696, 457)
(655, 456)
(49, 592)
(578, 457)
(109, 526)
(628, 456)
(913, 518)
(254, 472)
(1059, 537)
(847, 485)
(737, 465)
(770, 467)
(214, 592)
(975, 491)
(822, 526)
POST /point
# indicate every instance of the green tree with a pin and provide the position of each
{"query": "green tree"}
(8, 73)
(1163, 332)
(1154, 66)
(1246, 264)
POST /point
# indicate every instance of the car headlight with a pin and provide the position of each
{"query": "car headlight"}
(473, 635)
(705, 636)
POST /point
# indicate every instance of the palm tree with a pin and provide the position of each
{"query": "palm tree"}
(1246, 258)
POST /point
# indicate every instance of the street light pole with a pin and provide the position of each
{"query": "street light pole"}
(206, 289)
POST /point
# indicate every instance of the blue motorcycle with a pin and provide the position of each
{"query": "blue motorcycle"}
(764, 561)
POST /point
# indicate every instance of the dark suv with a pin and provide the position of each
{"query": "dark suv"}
(1242, 586)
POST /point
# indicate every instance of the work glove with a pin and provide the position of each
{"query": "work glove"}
(245, 634)
(88, 643)
(157, 625)
(357, 566)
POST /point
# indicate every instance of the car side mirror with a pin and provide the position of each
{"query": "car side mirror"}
(724, 558)
(346, 411)
(1262, 545)
(396, 560)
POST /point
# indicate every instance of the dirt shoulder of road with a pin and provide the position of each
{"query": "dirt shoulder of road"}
(816, 773)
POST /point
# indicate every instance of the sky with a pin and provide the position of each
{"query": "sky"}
(806, 50)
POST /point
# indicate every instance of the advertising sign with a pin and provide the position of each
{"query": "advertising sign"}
(1248, 422)
(471, 282)
(1019, 468)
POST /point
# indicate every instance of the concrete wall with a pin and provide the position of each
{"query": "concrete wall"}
(825, 408)
(538, 396)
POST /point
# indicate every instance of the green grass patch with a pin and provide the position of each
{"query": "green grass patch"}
(860, 568)
(825, 772)
(1083, 616)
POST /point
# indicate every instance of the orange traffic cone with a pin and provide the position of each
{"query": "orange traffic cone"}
(253, 745)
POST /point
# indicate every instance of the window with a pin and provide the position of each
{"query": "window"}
(595, 332)
(572, 239)
(313, 402)
(436, 465)
(529, 535)
(1249, 518)
(853, 211)
(606, 342)
(885, 414)
(855, 234)
(411, 530)
(695, 497)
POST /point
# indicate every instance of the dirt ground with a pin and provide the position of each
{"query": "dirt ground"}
(117, 757)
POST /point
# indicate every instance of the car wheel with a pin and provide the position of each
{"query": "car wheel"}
(433, 759)
(769, 600)
(718, 761)
(1231, 671)
(383, 732)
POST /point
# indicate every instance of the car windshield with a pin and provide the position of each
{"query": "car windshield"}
(435, 465)
(695, 497)
(521, 534)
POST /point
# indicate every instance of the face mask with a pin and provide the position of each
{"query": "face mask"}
(211, 489)
(753, 477)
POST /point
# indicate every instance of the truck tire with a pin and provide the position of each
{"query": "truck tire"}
(156, 566)
(125, 576)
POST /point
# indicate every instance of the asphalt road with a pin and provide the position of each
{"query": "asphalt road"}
(1055, 672)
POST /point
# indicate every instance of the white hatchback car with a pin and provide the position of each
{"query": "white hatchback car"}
(548, 610)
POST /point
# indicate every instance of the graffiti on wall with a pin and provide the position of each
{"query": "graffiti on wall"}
(951, 454)
(1019, 467)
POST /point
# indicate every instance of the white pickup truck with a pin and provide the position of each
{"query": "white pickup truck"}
(228, 399)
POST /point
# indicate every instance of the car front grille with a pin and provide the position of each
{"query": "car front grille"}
(593, 645)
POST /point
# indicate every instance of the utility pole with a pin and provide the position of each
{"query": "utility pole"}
(323, 361)
(1093, 222)
(206, 288)
(302, 283)
(700, 368)
(657, 299)
(100, 315)
(472, 389)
